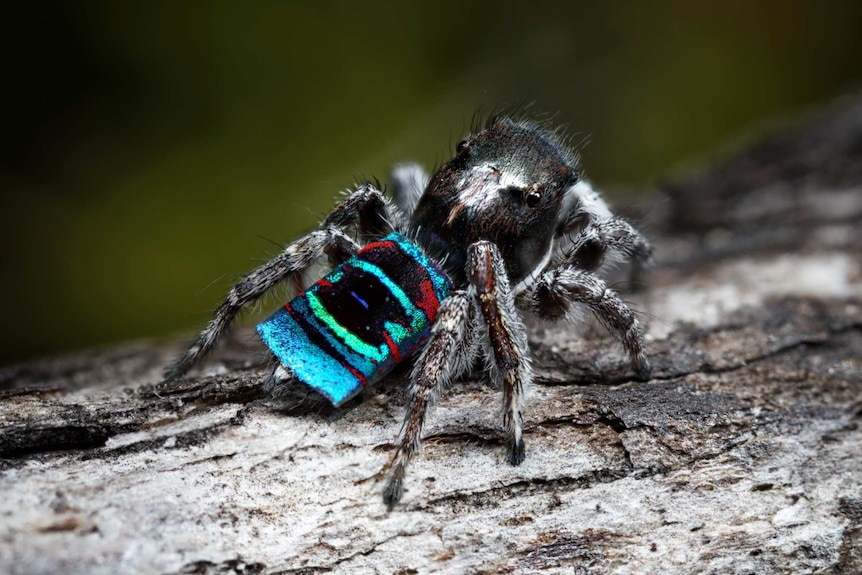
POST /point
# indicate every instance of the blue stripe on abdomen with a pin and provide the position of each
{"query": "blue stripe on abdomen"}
(352, 327)
(308, 361)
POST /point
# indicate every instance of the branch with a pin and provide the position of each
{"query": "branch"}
(741, 455)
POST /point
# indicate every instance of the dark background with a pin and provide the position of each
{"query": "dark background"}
(150, 152)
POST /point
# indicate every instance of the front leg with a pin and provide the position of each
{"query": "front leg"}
(510, 365)
(447, 354)
(558, 288)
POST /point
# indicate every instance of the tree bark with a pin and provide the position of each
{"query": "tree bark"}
(741, 455)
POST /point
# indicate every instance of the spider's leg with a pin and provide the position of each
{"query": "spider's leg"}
(278, 382)
(588, 233)
(366, 204)
(295, 258)
(614, 238)
(366, 207)
(283, 385)
(582, 201)
(407, 182)
(448, 353)
(509, 354)
(560, 287)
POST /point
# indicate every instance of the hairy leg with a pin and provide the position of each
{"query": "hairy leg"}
(559, 288)
(614, 238)
(588, 234)
(407, 182)
(278, 381)
(448, 353)
(509, 354)
(364, 207)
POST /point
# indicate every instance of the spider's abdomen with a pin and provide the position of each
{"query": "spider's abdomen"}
(353, 326)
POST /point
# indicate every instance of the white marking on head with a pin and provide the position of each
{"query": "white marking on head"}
(479, 182)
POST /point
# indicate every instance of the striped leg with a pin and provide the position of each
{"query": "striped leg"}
(511, 361)
(447, 354)
(365, 207)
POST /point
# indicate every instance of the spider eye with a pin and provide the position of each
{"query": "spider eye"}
(533, 198)
(462, 145)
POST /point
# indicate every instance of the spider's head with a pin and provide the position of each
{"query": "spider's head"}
(505, 184)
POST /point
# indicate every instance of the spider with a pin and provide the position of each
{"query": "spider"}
(439, 275)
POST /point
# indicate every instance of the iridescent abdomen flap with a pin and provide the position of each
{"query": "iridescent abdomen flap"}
(352, 327)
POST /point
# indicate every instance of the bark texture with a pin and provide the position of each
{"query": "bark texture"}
(742, 455)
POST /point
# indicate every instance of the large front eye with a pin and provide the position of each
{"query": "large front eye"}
(462, 145)
(533, 198)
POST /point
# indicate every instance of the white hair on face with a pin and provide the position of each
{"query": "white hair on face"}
(477, 197)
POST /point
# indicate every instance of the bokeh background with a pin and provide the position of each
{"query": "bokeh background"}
(151, 152)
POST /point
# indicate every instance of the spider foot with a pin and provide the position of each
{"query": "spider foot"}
(515, 452)
(392, 492)
(642, 367)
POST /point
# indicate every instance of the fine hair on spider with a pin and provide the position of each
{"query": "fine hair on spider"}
(439, 274)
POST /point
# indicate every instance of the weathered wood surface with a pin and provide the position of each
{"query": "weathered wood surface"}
(742, 455)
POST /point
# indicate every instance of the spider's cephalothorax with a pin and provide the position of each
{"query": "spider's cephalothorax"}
(437, 280)
(505, 185)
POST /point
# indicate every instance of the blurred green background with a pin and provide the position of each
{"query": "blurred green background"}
(151, 150)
